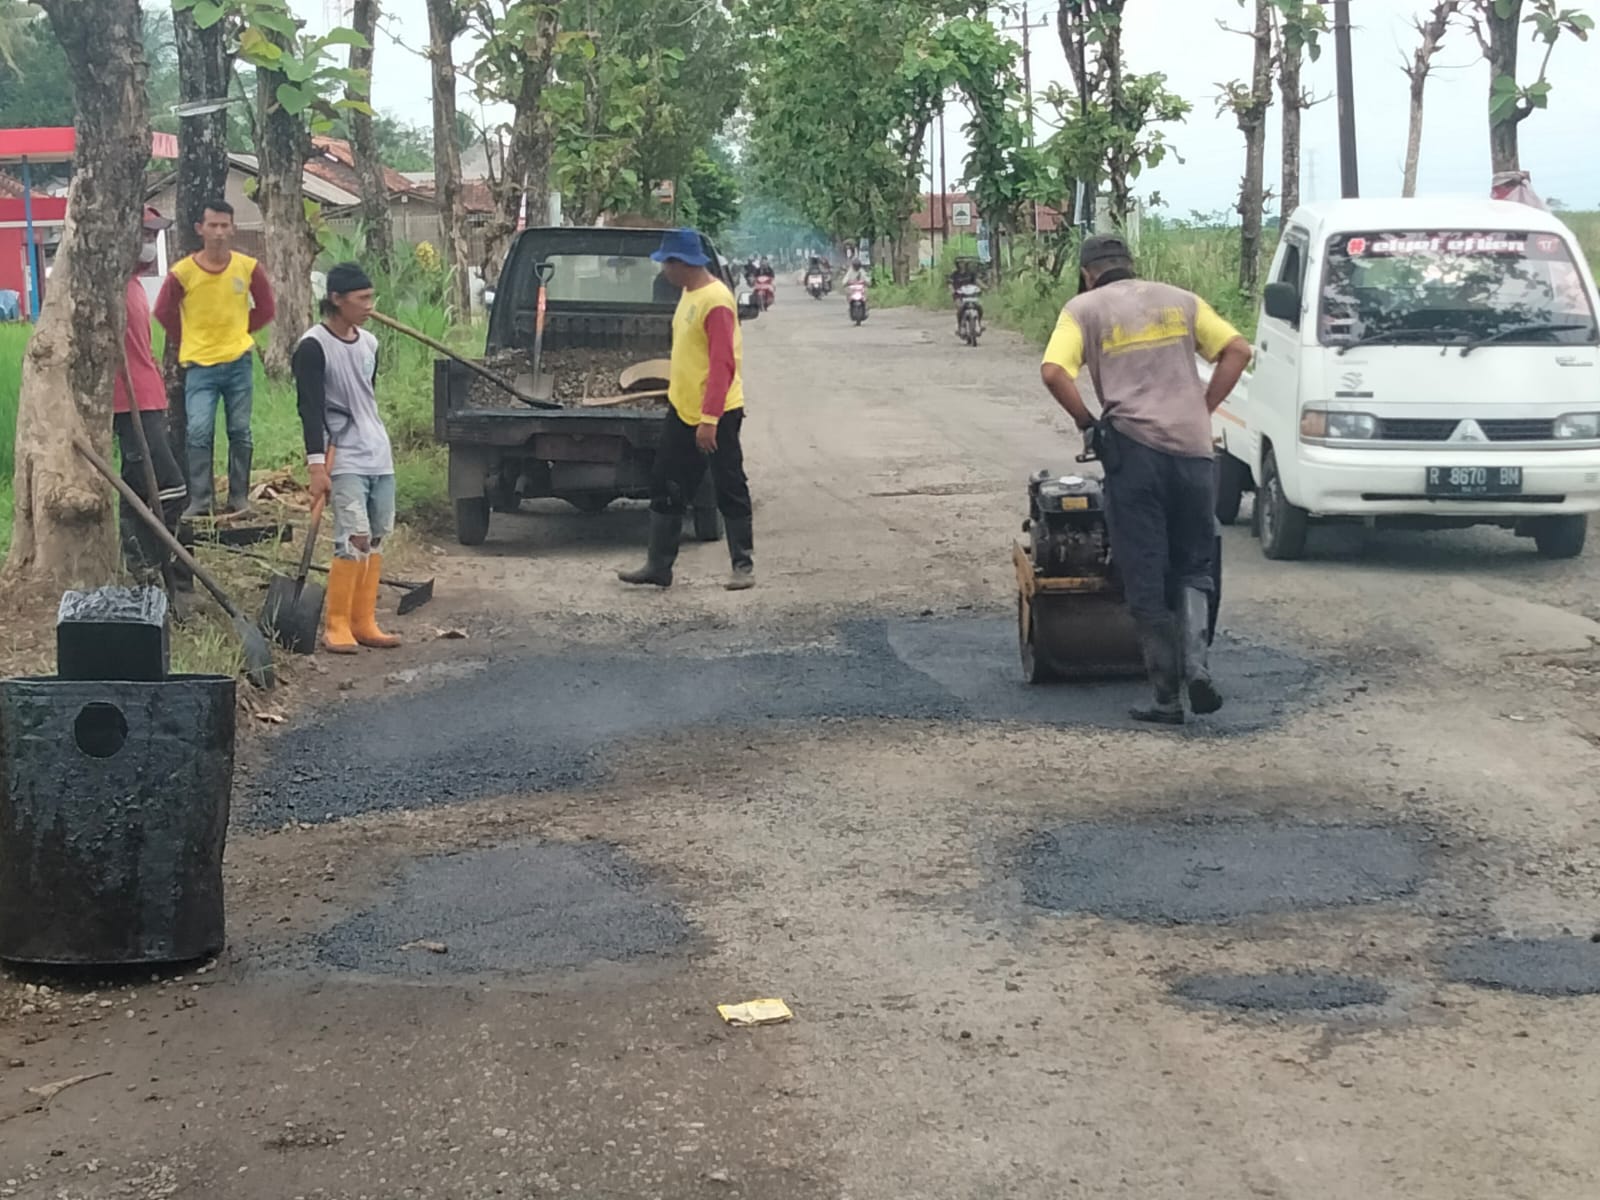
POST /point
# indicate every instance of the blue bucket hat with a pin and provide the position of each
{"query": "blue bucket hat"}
(683, 245)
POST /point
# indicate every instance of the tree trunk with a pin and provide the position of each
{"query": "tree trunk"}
(1502, 55)
(444, 26)
(204, 73)
(1408, 185)
(364, 140)
(283, 146)
(527, 167)
(1292, 97)
(64, 531)
(1252, 114)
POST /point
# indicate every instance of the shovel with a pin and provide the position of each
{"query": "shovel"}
(544, 386)
(257, 653)
(476, 368)
(292, 611)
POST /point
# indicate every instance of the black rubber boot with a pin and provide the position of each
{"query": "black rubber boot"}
(741, 550)
(665, 531)
(239, 460)
(1203, 695)
(1163, 662)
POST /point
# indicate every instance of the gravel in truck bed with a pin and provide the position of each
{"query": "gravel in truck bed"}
(577, 372)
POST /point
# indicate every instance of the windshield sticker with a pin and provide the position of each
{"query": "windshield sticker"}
(1448, 244)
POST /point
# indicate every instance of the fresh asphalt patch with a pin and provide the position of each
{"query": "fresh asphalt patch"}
(544, 722)
(1557, 966)
(1281, 992)
(1204, 870)
(514, 909)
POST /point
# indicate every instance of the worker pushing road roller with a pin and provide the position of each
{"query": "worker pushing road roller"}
(1128, 574)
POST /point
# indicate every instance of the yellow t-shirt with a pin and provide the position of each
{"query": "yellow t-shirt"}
(691, 351)
(216, 311)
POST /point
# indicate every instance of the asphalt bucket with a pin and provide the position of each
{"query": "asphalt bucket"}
(113, 815)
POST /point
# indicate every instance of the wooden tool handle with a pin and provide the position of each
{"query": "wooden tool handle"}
(157, 526)
(315, 524)
(476, 368)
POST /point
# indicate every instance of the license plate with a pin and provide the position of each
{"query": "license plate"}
(1474, 481)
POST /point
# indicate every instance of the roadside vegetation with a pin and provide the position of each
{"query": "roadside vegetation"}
(1203, 258)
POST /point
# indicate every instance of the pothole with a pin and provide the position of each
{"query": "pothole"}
(1281, 991)
(1219, 870)
(519, 908)
(1558, 966)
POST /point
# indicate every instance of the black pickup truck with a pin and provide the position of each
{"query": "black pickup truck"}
(605, 302)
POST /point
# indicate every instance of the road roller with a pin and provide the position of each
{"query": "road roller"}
(1073, 621)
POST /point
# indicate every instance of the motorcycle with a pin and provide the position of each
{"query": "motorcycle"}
(856, 293)
(815, 284)
(765, 292)
(969, 313)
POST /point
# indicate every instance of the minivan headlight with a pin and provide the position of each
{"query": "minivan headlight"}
(1324, 424)
(1583, 427)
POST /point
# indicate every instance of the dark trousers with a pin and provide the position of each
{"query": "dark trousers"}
(139, 545)
(680, 467)
(1162, 513)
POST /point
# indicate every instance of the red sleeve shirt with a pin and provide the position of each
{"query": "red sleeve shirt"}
(265, 304)
(719, 345)
(148, 387)
(169, 308)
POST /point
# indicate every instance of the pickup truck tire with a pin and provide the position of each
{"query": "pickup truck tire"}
(472, 520)
(1283, 525)
(1233, 480)
(1561, 537)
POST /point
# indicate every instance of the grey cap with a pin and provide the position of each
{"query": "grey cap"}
(1102, 247)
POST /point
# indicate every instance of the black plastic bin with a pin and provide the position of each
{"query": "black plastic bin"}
(113, 815)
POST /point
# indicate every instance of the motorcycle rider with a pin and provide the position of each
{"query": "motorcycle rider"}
(751, 269)
(856, 274)
(964, 275)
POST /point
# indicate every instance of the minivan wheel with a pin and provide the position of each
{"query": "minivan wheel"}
(1561, 537)
(1283, 525)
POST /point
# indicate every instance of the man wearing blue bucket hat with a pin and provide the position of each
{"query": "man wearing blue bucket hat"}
(706, 392)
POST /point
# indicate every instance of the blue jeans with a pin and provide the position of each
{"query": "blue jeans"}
(362, 507)
(233, 383)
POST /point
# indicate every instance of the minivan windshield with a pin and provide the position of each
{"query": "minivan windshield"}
(1453, 287)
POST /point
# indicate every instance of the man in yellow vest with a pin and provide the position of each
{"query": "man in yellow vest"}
(706, 392)
(211, 304)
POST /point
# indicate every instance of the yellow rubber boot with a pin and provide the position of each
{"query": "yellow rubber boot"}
(344, 574)
(364, 617)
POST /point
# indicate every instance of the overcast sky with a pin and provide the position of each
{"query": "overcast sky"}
(1181, 38)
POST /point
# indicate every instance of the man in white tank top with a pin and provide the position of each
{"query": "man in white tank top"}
(348, 456)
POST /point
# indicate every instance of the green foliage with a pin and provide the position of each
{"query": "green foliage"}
(269, 37)
(708, 192)
(36, 87)
(1512, 101)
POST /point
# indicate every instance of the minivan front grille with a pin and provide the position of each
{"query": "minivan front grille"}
(1441, 429)
(1410, 429)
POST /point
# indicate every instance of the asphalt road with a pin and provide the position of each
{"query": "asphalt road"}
(485, 893)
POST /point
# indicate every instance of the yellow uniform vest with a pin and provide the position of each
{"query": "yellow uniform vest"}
(691, 351)
(216, 311)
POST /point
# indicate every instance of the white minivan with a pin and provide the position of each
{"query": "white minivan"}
(1422, 363)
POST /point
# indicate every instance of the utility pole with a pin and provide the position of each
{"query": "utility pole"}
(1349, 177)
(1025, 27)
(944, 185)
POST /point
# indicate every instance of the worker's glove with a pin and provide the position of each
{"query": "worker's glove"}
(1091, 443)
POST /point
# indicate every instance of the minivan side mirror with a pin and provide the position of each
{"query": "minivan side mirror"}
(749, 310)
(1281, 301)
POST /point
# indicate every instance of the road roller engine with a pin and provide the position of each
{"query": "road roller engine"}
(1072, 620)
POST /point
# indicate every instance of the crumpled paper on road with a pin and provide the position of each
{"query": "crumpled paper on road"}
(756, 1012)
